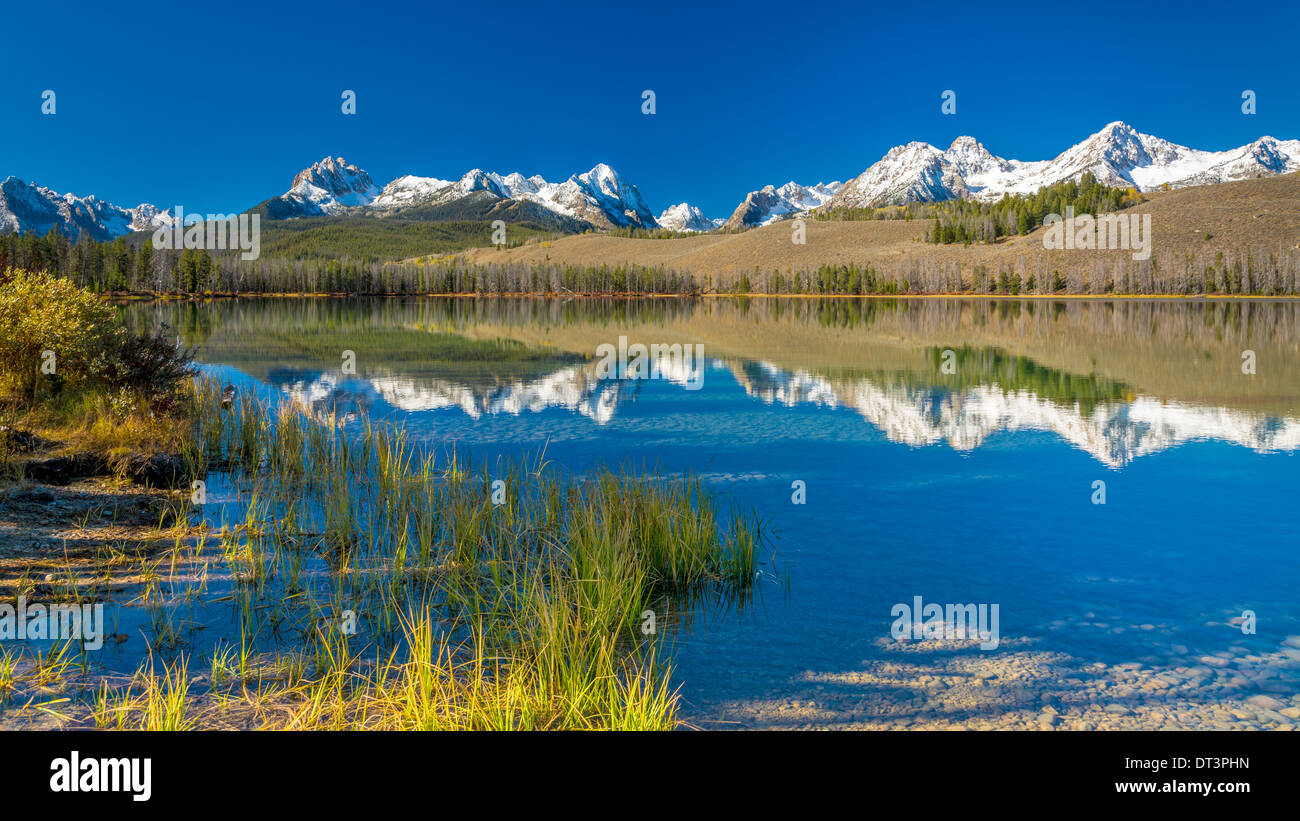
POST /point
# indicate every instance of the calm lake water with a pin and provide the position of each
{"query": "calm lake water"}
(948, 449)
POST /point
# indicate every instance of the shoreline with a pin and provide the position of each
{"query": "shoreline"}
(535, 644)
(128, 296)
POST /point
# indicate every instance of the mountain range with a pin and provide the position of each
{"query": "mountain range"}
(770, 203)
(601, 198)
(598, 198)
(1118, 156)
(29, 208)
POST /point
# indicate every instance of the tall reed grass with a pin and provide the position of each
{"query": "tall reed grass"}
(477, 607)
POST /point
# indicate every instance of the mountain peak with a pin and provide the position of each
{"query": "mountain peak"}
(968, 157)
(602, 197)
(476, 179)
(602, 177)
(914, 148)
(684, 217)
(330, 170)
(1117, 126)
(331, 186)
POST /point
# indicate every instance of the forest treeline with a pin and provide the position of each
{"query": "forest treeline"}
(122, 266)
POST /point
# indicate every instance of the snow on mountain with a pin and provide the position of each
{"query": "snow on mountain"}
(1264, 157)
(146, 217)
(479, 180)
(1118, 156)
(409, 190)
(30, 208)
(600, 196)
(770, 203)
(331, 187)
(603, 198)
(916, 172)
(686, 217)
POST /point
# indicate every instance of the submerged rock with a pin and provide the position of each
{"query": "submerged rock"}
(1265, 702)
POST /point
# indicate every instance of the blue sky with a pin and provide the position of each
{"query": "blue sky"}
(216, 107)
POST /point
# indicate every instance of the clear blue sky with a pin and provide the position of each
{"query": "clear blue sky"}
(216, 107)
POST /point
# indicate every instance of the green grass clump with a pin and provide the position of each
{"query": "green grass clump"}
(510, 598)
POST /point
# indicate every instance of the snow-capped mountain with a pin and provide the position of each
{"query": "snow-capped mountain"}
(409, 190)
(686, 217)
(770, 203)
(1118, 156)
(599, 197)
(30, 208)
(916, 172)
(329, 187)
(602, 192)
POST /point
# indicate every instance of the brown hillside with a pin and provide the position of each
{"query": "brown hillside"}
(1250, 214)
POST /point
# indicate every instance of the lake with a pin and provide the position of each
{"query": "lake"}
(1115, 479)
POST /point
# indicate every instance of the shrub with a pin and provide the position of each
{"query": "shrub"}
(40, 313)
(151, 364)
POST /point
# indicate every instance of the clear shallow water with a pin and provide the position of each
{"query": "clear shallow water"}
(970, 487)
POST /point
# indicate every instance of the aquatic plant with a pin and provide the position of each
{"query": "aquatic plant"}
(503, 596)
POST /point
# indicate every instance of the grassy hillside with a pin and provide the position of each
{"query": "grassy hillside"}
(1198, 222)
(481, 206)
(382, 239)
(437, 228)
